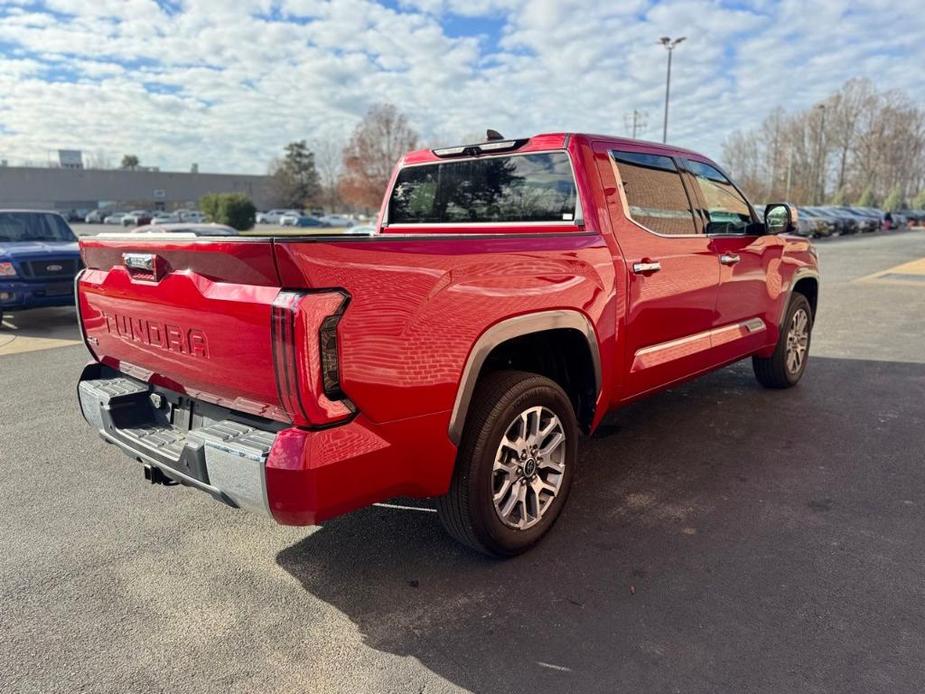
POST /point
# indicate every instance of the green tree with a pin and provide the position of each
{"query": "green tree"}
(840, 197)
(918, 202)
(234, 209)
(894, 201)
(294, 177)
(129, 162)
(867, 198)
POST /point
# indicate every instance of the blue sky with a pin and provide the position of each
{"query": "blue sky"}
(227, 83)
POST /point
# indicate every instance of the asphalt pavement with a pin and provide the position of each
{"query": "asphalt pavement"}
(719, 538)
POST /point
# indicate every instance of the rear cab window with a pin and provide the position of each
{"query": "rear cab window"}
(516, 189)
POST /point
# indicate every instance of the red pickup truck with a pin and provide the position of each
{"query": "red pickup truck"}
(514, 292)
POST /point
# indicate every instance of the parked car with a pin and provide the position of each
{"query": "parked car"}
(361, 230)
(194, 216)
(864, 222)
(873, 218)
(114, 218)
(273, 216)
(516, 293)
(847, 223)
(338, 220)
(301, 220)
(75, 215)
(915, 217)
(38, 260)
(96, 216)
(188, 228)
(136, 218)
(822, 225)
(165, 218)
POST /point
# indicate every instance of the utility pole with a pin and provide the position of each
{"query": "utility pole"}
(635, 122)
(669, 44)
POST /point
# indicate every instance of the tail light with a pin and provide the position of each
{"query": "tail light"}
(305, 356)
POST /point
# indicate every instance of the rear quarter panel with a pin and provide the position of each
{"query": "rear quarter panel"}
(418, 305)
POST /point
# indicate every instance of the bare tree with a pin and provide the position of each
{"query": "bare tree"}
(378, 141)
(329, 164)
(857, 143)
(99, 159)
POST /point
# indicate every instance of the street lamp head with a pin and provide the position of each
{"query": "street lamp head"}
(669, 44)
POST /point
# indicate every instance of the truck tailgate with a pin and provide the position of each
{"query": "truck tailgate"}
(190, 315)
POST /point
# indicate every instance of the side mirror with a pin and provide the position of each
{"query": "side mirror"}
(780, 218)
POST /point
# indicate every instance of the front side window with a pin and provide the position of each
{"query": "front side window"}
(517, 188)
(727, 210)
(655, 195)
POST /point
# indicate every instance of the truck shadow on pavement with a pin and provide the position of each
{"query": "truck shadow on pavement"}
(719, 537)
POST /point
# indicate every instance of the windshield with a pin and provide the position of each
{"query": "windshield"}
(518, 188)
(26, 227)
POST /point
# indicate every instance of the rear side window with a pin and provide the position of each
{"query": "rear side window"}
(655, 194)
(518, 188)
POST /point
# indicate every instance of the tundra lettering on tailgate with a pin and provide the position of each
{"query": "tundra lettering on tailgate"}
(191, 341)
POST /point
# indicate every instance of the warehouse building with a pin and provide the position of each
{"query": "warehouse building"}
(67, 189)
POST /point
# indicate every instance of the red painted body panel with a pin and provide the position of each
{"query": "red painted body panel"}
(418, 306)
(419, 299)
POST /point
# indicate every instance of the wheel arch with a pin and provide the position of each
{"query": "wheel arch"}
(563, 326)
(805, 281)
(808, 286)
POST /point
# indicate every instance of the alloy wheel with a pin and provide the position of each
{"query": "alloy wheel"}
(529, 467)
(797, 341)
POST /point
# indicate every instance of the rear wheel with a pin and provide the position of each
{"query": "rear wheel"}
(785, 367)
(515, 464)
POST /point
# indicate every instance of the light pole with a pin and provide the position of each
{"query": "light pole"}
(669, 44)
(820, 191)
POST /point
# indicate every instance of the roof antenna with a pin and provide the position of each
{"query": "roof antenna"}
(492, 135)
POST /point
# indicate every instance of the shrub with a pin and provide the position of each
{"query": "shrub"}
(894, 200)
(234, 209)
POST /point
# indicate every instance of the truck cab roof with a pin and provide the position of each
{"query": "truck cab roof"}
(547, 141)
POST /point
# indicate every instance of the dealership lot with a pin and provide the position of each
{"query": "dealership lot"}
(720, 537)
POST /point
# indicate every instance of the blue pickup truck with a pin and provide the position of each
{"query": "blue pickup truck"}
(39, 259)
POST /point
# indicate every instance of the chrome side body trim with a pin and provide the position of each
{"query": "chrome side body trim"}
(663, 352)
(507, 330)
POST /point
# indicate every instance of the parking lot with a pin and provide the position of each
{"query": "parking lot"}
(719, 537)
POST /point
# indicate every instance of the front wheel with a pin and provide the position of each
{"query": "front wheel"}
(785, 367)
(515, 464)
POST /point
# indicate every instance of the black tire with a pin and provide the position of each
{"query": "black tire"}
(468, 510)
(773, 371)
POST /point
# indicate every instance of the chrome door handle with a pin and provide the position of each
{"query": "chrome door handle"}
(645, 268)
(729, 259)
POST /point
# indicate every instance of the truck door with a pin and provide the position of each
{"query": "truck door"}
(749, 262)
(672, 273)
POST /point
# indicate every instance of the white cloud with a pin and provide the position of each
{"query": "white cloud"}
(227, 84)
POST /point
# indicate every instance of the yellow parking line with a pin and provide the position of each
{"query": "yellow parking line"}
(906, 274)
(15, 344)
